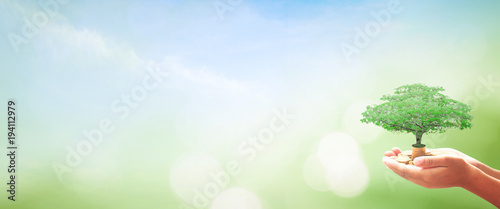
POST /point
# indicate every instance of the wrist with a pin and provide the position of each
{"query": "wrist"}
(483, 185)
(478, 164)
(472, 175)
(486, 169)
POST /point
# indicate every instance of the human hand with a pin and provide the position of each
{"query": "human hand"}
(432, 171)
(476, 163)
(395, 152)
(467, 158)
(442, 171)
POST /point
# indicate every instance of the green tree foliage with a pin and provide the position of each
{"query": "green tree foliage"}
(418, 109)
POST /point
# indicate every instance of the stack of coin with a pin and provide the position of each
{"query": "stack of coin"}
(405, 156)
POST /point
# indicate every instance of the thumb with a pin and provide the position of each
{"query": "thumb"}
(434, 161)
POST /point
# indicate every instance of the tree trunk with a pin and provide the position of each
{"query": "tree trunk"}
(418, 135)
(418, 149)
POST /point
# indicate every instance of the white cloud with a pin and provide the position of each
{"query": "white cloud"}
(62, 42)
(203, 77)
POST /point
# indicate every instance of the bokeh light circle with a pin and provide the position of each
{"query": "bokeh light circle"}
(315, 174)
(236, 198)
(349, 178)
(337, 166)
(336, 145)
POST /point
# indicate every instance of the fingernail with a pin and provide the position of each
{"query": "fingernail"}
(418, 161)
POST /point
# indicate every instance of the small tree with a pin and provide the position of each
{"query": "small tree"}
(418, 109)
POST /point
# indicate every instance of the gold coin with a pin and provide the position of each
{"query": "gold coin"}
(403, 159)
(407, 153)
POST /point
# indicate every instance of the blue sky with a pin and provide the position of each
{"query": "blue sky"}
(275, 51)
(270, 48)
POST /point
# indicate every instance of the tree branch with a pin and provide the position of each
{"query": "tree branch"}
(394, 125)
(418, 125)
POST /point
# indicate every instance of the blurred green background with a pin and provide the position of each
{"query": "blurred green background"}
(190, 86)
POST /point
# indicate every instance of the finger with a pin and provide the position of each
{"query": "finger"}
(436, 161)
(389, 153)
(396, 150)
(398, 169)
(426, 177)
(384, 162)
(391, 158)
(405, 171)
(435, 171)
(450, 150)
